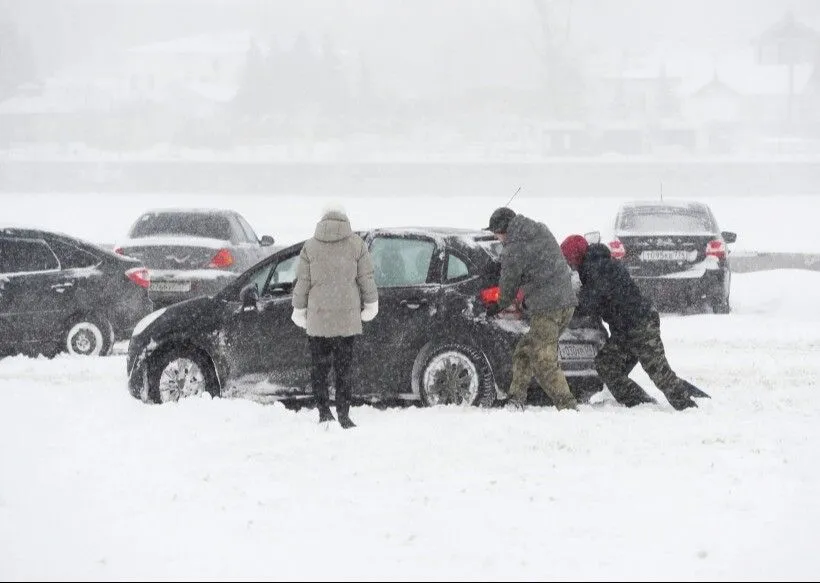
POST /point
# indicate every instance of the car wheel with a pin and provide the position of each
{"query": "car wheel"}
(181, 373)
(456, 374)
(89, 335)
(721, 306)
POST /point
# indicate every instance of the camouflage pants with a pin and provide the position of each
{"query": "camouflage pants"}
(536, 354)
(624, 350)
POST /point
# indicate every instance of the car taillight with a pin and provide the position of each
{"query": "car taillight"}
(716, 248)
(118, 251)
(140, 276)
(223, 258)
(490, 295)
(617, 249)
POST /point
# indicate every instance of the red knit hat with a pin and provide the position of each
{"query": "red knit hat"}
(574, 249)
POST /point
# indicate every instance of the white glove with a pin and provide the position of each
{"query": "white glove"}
(370, 310)
(299, 317)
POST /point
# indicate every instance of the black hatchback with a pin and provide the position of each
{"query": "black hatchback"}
(59, 293)
(430, 343)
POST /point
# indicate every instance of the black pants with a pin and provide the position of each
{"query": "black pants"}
(337, 352)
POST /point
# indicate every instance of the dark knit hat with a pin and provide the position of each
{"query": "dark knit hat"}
(500, 220)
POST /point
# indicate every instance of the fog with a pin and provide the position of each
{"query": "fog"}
(114, 82)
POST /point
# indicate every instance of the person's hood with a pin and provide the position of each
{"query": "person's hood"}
(597, 251)
(333, 226)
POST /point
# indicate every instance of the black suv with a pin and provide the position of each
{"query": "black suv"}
(431, 341)
(59, 293)
(676, 252)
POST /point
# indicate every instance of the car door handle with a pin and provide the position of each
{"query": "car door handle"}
(414, 304)
(61, 287)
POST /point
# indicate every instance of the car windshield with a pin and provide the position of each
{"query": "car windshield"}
(662, 220)
(186, 224)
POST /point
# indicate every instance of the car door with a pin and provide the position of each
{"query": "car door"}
(36, 296)
(266, 352)
(407, 273)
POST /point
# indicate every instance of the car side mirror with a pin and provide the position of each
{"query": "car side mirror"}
(249, 296)
(266, 241)
(593, 237)
(729, 236)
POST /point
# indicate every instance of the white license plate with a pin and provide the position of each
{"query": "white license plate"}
(170, 286)
(576, 351)
(664, 255)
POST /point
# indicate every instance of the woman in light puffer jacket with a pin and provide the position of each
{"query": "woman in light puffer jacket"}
(335, 292)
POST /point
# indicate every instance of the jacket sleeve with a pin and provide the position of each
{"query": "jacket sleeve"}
(592, 293)
(365, 278)
(512, 269)
(302, 287)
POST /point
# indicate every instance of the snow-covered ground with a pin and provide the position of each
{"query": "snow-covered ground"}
(95, 485)
(98, 486)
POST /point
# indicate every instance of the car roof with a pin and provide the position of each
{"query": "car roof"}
(436, 232)
(30, 231)
(190, 210)
(670, 204)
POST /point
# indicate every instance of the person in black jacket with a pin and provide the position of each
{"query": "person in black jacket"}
(609, 292)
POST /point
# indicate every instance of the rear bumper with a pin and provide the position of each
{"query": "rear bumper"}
(711, 285)
(189, 284)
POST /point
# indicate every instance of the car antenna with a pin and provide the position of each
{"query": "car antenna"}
(661, 190)
(513, 196)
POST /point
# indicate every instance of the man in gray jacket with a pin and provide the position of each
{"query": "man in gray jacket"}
(531, 260)
(334, 292)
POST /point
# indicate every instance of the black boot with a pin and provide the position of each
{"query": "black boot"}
(346, 422)
(325, 415)
(679, 398)
(694, 392)
(344, 417)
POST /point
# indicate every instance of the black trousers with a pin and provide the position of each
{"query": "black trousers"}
(336, 352)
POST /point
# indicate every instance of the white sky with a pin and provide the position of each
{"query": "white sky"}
(98, 486)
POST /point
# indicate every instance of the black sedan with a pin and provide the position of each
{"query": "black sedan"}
(59, 293)
(676, 253)
(430, 343)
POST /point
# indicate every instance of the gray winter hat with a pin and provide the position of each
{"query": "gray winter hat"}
(500, 219)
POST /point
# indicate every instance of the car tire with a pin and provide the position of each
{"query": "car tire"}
(456, 374)
(721, 306)
(89, 335)
(180, 373)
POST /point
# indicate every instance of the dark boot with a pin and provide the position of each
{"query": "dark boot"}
(679, 398)
(325, 415)
(629, 393)
(694, 392)
(345, 421)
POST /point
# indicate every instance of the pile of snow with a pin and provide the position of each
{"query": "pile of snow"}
(109, 488)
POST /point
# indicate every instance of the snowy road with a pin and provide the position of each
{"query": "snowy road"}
(97, 486)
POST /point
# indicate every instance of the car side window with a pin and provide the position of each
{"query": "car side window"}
(261, 277)
(250, 234)
(401, 261)
(72, 257)
(283, 276)
(456, 268)
(27, 256)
